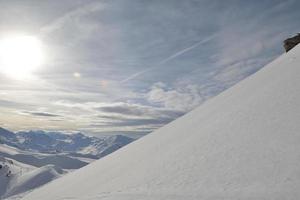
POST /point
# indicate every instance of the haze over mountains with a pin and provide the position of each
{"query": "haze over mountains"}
(29, 159)
(242, 144)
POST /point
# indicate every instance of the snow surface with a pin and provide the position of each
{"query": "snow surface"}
(242, 144)
(39, 159)
(16, 177)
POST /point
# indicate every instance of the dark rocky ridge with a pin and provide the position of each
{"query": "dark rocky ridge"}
(291, 42)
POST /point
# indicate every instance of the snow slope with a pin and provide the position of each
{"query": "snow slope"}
(33, 179)
(242, 144)
(39, 159)
(16, 177)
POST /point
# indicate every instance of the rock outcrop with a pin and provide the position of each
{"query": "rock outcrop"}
(291, 42)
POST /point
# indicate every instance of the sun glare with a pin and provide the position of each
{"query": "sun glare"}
(20, 56)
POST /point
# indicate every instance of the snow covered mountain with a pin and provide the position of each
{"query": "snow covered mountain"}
(17, 177)
(242, 144)
(59, 143)
(31, 159)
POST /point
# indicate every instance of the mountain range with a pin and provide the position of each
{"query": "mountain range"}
(29, 159)
(76, 144)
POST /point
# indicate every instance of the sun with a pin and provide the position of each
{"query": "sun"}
(20, 55)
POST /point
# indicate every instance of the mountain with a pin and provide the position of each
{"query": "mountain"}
(76, 144)
(6, 134)
(30, 159)
(16, 177)
(241, 144)
(7, 137)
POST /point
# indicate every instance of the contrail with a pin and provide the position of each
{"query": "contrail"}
(179, 53)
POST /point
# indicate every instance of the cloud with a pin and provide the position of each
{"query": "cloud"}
(169, 58)
(122, 116)
(124, 109)
(72, 16)
(138, 110)
(41, 114)
(10, 104)
(135, 116)
(182, 99)
(236, 72)
(137, 122)
(261, 38)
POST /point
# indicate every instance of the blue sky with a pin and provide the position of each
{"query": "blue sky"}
(131, 66)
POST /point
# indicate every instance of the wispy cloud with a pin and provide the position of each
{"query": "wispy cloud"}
(10, 104)
(118, 115)
(41, 114)
(173, 56)
(71, 17)
(182, 99)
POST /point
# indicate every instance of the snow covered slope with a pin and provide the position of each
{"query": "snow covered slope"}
(39, 159)
(16, 177)
(242, 144)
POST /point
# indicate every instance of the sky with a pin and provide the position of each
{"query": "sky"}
(132, 66)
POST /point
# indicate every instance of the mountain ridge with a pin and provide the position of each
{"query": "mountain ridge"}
(30, 159)
(57, 142)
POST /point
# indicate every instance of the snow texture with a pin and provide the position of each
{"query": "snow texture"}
(242, 144)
